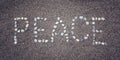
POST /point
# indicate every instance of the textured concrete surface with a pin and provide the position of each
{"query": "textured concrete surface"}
(66, 9)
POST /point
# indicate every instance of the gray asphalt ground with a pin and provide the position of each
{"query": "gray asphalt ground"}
(26, 49)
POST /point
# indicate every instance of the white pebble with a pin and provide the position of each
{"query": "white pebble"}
(58, 18)
(73, 37)
(87, 23)
(102, 18)
(57, 23)
(99, 42)
(93, 18)
(80, 17)
(15, 19)
(63, 24)
(73, 19)
(38, 29)
(55, 26)
(38, 17)
(85, 18)
(35, 24)
(73, 23)
(25, 18)
(94, 35)
(67, 37)
(72, 32)
(53, 30)
(22, 30)
(35, 28)
(18, 18)
(42, 29)
(67, 40)
(35, 40)
(62, 34)
(35, 19)
(64, 31)
(66, 34)
(46, 41)
(45, 19)
(100, 31)
(52, 38)
(15, 37)
(93, 23)
(97, 31)
(56, 33)
(52, 34)
(65, 27)
(15, 22)
(61, 21)
(72, 28)
(27, 25)
(18, 31)
(35, 32)
(39, 41)
(99, 18)
(102, 43)
(85, 37)
(96, 43)
(76, 17)
(15, 42)
(77, 40)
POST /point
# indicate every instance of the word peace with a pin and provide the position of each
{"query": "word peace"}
(55, 26)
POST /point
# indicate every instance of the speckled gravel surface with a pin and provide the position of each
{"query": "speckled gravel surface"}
(26, 49)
